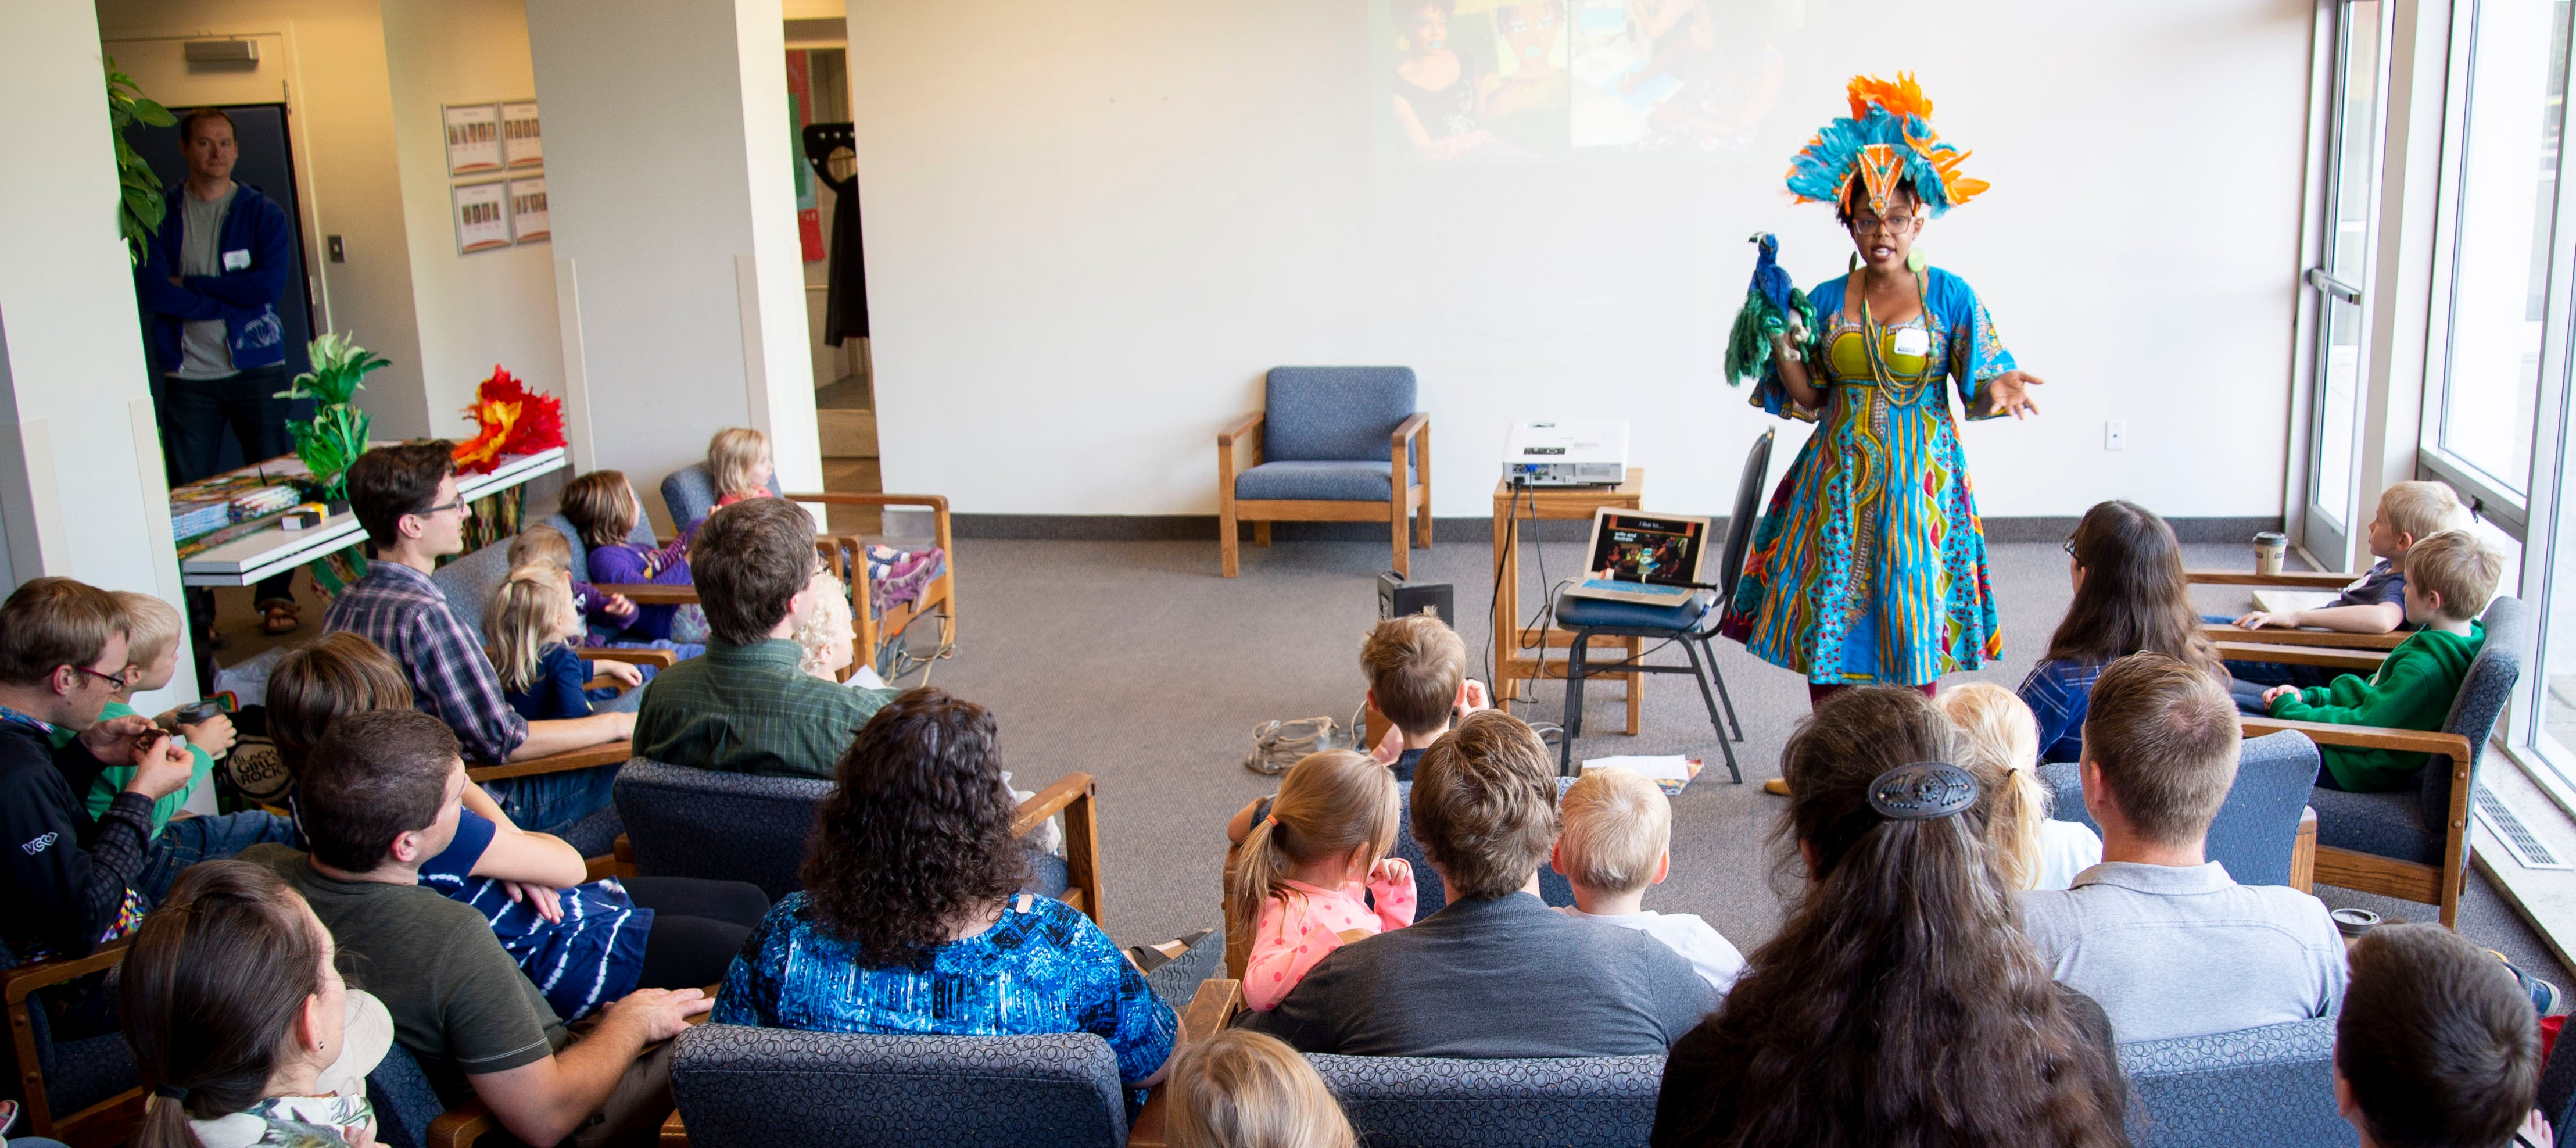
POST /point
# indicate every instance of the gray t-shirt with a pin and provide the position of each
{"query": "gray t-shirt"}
(2174, 951)
(1505, 978)
(205, 348)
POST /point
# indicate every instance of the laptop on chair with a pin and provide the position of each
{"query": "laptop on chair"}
(1638, 557)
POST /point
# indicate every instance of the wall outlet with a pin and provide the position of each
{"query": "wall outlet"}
(2115, 434)
(339, 254)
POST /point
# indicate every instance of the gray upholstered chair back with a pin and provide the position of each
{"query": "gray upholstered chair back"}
(642, 535)
(79, 1072)
(2257, 827)
(741, 1087)
(1334, 414)
(689, 493)
(468, 582)
(404, 1101)
(757, 826)
(1420, 1102)
(2490, 681)
(2263, 1087)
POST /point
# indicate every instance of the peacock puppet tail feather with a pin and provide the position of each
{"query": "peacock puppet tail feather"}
(1748, 342)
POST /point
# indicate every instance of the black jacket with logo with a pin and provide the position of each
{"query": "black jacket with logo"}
(63, 874)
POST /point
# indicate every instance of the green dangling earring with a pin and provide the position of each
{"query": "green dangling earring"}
(1916, 261)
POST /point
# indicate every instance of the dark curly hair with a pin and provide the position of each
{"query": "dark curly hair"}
(916, 837)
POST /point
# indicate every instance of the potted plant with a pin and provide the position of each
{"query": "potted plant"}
(338, 433)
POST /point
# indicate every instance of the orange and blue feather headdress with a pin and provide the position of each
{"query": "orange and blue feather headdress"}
(1887, 138)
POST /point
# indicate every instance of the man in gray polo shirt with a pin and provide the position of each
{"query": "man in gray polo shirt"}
(2163, 938)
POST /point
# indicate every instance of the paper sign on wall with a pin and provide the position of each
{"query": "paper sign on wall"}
(521, 146)
(528, 210)
(473, 138)
(482, 216)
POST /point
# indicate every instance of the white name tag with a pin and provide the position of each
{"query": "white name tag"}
(237, 260)
(1913, 341)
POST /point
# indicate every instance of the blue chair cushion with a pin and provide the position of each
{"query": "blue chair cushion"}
(469, 581)
(2254, 1088)
(2256, 828)
(1333, 414)
(1318, 481)
(405, 1103)
(740, 1087)
(1436, 1103)
(689, 493)
(1575, 613)
(2381, 824)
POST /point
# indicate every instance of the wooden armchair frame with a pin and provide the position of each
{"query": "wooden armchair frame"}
(108, 1122)
(1238, 449)
(2388, 876)
(2226, 635)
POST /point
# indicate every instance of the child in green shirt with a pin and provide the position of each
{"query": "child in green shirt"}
(2450, 575)
(152, 657)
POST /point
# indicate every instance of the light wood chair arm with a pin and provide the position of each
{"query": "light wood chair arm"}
(652, 593)
(663, 659)
(1249, 426)
(1238, 447)
(2356, 661)
(1053, 799)
(674, 1133)
(461, 1126)
(2450, 745)
(588, 757)
(938, 503)
(2285, 580)
(1406, 430)
(1074, 795)
(22, 981)
(2219, 632)
(1210, 1011)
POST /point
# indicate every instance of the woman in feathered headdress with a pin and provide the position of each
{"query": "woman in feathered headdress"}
(1869, 566)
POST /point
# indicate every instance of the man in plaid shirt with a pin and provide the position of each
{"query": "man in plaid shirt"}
(405, 496)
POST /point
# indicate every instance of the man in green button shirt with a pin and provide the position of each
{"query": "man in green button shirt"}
(745, 707)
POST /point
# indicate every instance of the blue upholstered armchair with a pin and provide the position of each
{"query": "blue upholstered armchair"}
(1420, 1102)
(1333, 444)
(2256, 831)
(690, 494)
(2263, 1087)
(82, 1089)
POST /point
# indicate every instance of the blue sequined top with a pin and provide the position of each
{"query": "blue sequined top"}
(1043, 967)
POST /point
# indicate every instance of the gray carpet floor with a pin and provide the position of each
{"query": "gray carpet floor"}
(1137, 663)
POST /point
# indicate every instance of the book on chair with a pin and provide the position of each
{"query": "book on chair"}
(1639, 557)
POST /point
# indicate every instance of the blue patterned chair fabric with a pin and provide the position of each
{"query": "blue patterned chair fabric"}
(1177, 982)
(2408, 826)
(689, 493)
(80, 1071)
(1420, 1102)
(405, 1104)
(2259, 824)
(741, 1087)
(469, 579)
(1325, 431)
(2266, 1087)
(1430, 893)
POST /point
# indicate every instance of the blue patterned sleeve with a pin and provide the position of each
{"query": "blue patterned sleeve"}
(1116, 1004)
(1770, 393)
(749, 995)
(2059, 710)
(1976, 349)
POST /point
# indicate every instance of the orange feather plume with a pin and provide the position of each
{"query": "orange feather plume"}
(1901, 97)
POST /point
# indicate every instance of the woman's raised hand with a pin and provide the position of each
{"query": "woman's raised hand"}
(2009, 393)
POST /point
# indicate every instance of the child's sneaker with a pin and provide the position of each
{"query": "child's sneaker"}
(2544, 995)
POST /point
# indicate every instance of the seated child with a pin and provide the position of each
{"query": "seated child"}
(825, 635)
(2449, 578)
(739, 465)
(1999, 743)
(2374, 603)
(1613, 838)
(603, 507)
(1243, 1089)
(152, 656)
(532, 624)
(543, 545)
(1307, 875)
(2436, 1044)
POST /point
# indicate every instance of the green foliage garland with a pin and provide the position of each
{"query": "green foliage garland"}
(140, 206)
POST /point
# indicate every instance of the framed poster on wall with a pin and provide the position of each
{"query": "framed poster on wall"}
(521, 146)
(473, 137)
(528, 210)
(482, 216)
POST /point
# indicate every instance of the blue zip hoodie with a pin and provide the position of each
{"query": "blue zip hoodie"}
(244, 297)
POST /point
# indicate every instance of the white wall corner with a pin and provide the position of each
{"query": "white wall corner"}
(576, 366)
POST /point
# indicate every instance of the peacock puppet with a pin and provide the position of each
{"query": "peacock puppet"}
(1773, 305)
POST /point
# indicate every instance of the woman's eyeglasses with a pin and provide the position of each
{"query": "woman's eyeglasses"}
(2069, 547)
(1893, 223)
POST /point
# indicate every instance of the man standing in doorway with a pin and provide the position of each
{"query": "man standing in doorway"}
(210, 283)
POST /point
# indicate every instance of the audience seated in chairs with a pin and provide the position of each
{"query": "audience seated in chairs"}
(236, 1011)
(2130, 595)
(911, 919)
(73, 880)
(1241, 1089)
(1494, 973)
(2436, 1045)
(1315, 874)
(2167, 942)
(1614, 838)
(1999, 742)
(534, 625)
(2375, 603)
(380, 798)
(746, 707)
(1898, 1004)
(603, 507)
(405, 496)
(543, 545)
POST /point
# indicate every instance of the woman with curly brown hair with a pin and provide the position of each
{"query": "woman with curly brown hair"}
(911, 920)
(1900, 1004)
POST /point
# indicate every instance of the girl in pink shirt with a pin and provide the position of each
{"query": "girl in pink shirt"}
(1308, 875)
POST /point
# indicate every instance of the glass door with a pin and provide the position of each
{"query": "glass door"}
(2340, 279)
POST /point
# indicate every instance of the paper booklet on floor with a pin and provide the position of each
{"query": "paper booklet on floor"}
(1669, 772)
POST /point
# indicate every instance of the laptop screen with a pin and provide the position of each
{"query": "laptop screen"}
(1647, 549)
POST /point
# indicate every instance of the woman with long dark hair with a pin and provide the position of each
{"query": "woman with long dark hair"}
(233, 1008)
(1900, 1003)
(2130, 597)
(911, 919)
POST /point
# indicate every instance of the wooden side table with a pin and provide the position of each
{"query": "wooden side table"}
(1512, 670)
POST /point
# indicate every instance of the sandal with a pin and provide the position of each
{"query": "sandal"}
(284, 617)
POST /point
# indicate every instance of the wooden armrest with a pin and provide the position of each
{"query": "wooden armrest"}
(664, 659)
(652, 594)
(674, 1133)
(1050, 801)
(588, 757)
(2359, 661)
(1210, 1011)
(23, 980)
(2223, 632)
(2449, 745)
(1241, 427)
(938, 503)
(2285, 580)
(1407, 430)
(461, 1126)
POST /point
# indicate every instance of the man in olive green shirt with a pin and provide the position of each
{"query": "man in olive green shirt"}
(745, 707)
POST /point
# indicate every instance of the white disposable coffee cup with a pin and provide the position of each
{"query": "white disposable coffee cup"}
(2270, 547)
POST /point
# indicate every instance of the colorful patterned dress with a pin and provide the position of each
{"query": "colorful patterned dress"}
(1870, 565)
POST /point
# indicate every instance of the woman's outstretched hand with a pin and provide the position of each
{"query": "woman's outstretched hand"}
(2009, 393)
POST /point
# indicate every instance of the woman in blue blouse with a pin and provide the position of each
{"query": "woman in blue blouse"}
(911, 920)
(2130, 596)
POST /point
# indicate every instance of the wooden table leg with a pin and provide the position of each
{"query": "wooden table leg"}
(1636, 689)
(1507, 593)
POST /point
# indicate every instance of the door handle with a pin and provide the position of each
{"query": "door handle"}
(2318, 279)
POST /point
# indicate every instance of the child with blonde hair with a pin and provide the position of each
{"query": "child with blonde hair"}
(543, 545)
(1242, 1089)
(152, 635)
(2375, 603)
(1307, 874)
(531, 626)
(1998, 741)
(739, 464)
(1613, 839)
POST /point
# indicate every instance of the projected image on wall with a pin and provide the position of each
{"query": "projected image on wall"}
(1491, 80)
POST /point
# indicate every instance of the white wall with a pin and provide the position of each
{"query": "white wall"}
(1091, 228)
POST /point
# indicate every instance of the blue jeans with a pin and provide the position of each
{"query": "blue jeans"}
(548, 802)
(189, 840)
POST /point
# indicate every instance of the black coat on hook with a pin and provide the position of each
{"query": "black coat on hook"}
(845, 297)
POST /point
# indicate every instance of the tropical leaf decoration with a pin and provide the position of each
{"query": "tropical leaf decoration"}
(338, 433)
(140, 206)
(509, 419)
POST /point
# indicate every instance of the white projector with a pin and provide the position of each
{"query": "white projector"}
(1566, 452)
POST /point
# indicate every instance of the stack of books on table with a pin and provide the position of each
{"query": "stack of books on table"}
(199, 516)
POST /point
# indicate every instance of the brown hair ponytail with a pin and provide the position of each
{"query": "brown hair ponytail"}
(210, 991)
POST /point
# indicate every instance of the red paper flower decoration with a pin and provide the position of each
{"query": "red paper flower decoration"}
(509, 419)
